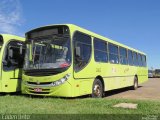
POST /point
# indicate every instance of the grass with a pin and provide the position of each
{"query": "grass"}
(10, 104)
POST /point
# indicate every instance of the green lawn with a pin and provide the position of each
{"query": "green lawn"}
(10, 104)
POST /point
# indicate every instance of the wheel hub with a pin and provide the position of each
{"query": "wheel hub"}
(97, 90)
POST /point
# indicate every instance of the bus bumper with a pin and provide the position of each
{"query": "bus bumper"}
(63, 90)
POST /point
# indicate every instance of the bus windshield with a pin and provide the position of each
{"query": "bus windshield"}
(48, 53)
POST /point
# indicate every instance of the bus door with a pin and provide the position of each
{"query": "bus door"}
(13, 58)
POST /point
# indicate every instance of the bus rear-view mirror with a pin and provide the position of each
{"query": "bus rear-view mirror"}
(77, 51)
(21, 50)
(10, 53)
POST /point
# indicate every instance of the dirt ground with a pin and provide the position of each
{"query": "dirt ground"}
(149, 90)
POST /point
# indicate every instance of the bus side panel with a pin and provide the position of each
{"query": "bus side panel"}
(89, 71)
(117, 76)
(131, 75)
(11, 81)
(83, 87)
(1, 71)
(1, 80)
(143, 75)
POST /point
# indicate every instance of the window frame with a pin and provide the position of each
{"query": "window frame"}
(126, 57)
(129, 58)
(135, 62)
(145, 62)
(73, 48)
(106, 45)
(5, 68)
(113, 53)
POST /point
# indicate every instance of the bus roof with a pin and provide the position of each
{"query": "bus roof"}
(75, 27)
(7, 37)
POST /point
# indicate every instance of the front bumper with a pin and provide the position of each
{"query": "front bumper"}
(45, 89)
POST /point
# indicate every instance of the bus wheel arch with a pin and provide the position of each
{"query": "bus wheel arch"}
(98, 87)
(102, 81)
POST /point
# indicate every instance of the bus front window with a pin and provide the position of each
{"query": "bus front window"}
(48, 53)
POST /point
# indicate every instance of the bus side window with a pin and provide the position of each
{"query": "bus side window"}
(82, 50)
(135, 59)
(14, 55)
(113, 53)
(123, 56)
(130, 57)
(139, 59)
(144, 61)
(140, 62)
(100, 50)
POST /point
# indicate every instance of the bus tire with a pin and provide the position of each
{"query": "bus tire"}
(97, 89)
(135, 84)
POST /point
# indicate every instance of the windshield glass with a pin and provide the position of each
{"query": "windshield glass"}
(48, 53)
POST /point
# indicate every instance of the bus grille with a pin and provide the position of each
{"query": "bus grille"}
(44, 91)
(39, 92)
(41, 83)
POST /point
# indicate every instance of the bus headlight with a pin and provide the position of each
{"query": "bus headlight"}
(61, 81)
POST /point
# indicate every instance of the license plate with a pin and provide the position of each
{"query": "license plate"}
(37, 89)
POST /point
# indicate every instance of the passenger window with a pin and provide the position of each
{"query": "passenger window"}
(113, 53)
(123, 56)
(14, 55)
(144, 60)
(140, 60)
(82, 50)
(130, 57)
(135, 59)
(100, 50)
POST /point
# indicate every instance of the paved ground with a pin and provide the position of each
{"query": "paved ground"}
(148, 90)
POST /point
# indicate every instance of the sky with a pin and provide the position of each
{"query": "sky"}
(135, 23)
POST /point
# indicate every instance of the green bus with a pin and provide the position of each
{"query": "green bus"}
(12, 52)
(68, 61)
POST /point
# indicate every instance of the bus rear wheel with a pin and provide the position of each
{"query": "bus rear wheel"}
(135, 84)
(97, 89)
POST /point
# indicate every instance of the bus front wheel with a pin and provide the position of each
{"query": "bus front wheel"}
(97, 89)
